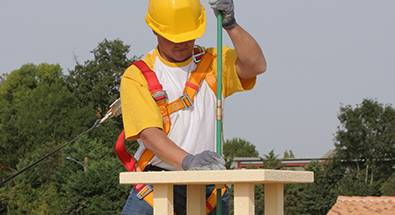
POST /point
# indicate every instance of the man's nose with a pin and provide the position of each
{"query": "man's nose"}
(183, 44)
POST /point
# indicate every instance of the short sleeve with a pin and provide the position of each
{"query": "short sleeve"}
(231, 82)
(139, 110)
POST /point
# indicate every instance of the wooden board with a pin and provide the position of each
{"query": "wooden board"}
(256, 176)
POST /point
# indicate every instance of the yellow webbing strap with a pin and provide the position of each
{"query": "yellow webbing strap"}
(150, 199)
(211, 202)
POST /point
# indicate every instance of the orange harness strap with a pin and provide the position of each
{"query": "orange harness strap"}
(184, 102)
(192, 86)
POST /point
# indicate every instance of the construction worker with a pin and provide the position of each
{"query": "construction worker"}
(182, 137)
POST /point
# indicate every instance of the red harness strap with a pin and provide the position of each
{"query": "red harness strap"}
(158, 94)
(123, 155)
(154, 85)
(127, 160)
(192, 86)
(160, 97)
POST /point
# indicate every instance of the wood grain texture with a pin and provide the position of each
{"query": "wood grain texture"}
(274, 199)
(244, 199)
(257, 176)
(196, 199)
(163, 199)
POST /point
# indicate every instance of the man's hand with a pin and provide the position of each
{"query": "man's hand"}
(206, 160)
(226, 7)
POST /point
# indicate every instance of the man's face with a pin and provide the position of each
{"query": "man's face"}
(175, 52)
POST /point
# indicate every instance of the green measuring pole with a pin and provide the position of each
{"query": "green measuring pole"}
(219, 102)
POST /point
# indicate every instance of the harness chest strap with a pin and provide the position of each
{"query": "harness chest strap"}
(192, 86)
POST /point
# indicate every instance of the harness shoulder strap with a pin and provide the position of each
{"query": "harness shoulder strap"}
(211, 80)
(123, 155)
(154, 85)
(156, 90)
(192, 85)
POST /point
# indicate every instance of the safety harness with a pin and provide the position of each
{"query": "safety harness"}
(185, 102)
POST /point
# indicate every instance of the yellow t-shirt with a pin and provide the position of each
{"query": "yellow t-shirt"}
(192, 129)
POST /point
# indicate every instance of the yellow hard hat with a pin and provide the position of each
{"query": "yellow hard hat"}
(177, 20)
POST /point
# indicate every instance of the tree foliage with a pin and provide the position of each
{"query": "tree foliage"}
(36, 109)
(238, 147)
(288, 154)
(96, 82)
(271, 161)
(363, 161)
(367, 137)
(388, 187)
(41, 108)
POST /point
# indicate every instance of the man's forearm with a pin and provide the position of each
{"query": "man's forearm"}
(156, 141)
(251, 60)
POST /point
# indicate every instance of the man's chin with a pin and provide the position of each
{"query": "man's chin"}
(181, 58)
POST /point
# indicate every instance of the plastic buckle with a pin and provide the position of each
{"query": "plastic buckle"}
(159, 95)
(184, 99)
(147, 189)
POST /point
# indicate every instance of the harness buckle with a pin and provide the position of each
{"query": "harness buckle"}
(147, 189)
(187, 101)
(159, 95)
(197, 57)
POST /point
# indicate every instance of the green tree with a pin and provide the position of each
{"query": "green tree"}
(36, 109)
(238, 147)
(367, 137)
(41, 108)
(37, 114)
(388, 187)
(363, 160)
(96, 82)
(288, 154)
(97, 190)
(271, 161)
(316, 198)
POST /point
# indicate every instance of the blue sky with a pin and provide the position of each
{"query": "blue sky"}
(321, 54)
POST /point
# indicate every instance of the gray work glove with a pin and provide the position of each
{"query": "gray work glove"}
(226, 7)
(206, 160)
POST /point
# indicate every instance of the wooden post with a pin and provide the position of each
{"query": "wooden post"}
(196, 199)
(163, 199)
(274, 199)
(244, 201)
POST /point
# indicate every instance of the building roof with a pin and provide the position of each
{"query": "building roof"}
(352, 205)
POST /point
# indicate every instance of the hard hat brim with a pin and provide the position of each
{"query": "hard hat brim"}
(183, 36)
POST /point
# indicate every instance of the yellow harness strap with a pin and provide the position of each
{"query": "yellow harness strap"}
(211, 202)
